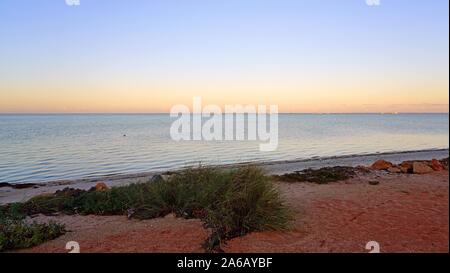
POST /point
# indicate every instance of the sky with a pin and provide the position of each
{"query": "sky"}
(143, 56)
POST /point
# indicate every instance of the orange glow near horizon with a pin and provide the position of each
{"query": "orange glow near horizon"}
(162, 103)
(332, 97)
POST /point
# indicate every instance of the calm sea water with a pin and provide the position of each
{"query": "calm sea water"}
(37, 148)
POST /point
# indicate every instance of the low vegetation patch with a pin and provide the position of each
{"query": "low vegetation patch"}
(230, 202)
(16, 232)
(319, 176)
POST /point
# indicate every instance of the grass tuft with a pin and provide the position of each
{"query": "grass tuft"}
(230, 202)
(16, 232)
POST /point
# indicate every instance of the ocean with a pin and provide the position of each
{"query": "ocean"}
(40, 148)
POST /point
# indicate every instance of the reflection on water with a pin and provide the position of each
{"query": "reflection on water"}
(51, 147)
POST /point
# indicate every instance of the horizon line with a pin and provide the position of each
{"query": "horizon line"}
(168, 113)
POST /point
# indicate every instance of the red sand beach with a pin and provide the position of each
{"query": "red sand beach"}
(403, 213)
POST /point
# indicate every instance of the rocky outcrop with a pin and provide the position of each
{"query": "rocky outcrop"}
(101, 187)
(411, 166)
(394, 169)
(421, 168)
(381, 165)
(157, 178)
(437, 165)
(406, 166)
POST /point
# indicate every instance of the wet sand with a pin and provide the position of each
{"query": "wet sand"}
(403, 213)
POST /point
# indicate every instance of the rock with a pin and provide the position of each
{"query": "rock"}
(156, 178)
(406, 167)
(101, 186)
(436, 165)
(363, 169)
(374, 182)
(421, 168)
(394, 169)
(381, 165)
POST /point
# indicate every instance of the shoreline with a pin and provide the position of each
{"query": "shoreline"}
(402, 212)
(9, 194)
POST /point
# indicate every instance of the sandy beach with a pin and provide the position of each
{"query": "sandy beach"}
(9, 194)
(402, 212)
(214, 127)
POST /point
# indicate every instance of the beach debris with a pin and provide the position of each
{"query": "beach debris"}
(157, 178)
(394, 169)
(381, 165)
(130, 212)
(165, 177)
(319, 176)
(68, 192)
(421, 168)
(101, 186)
(436, 165)
(363, 169)
(374, 182)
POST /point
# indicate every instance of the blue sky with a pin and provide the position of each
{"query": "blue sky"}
(138, 55)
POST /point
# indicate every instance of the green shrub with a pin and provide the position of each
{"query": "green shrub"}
(15, 233)
(249, 202)
(319, 176)
(231, 202)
